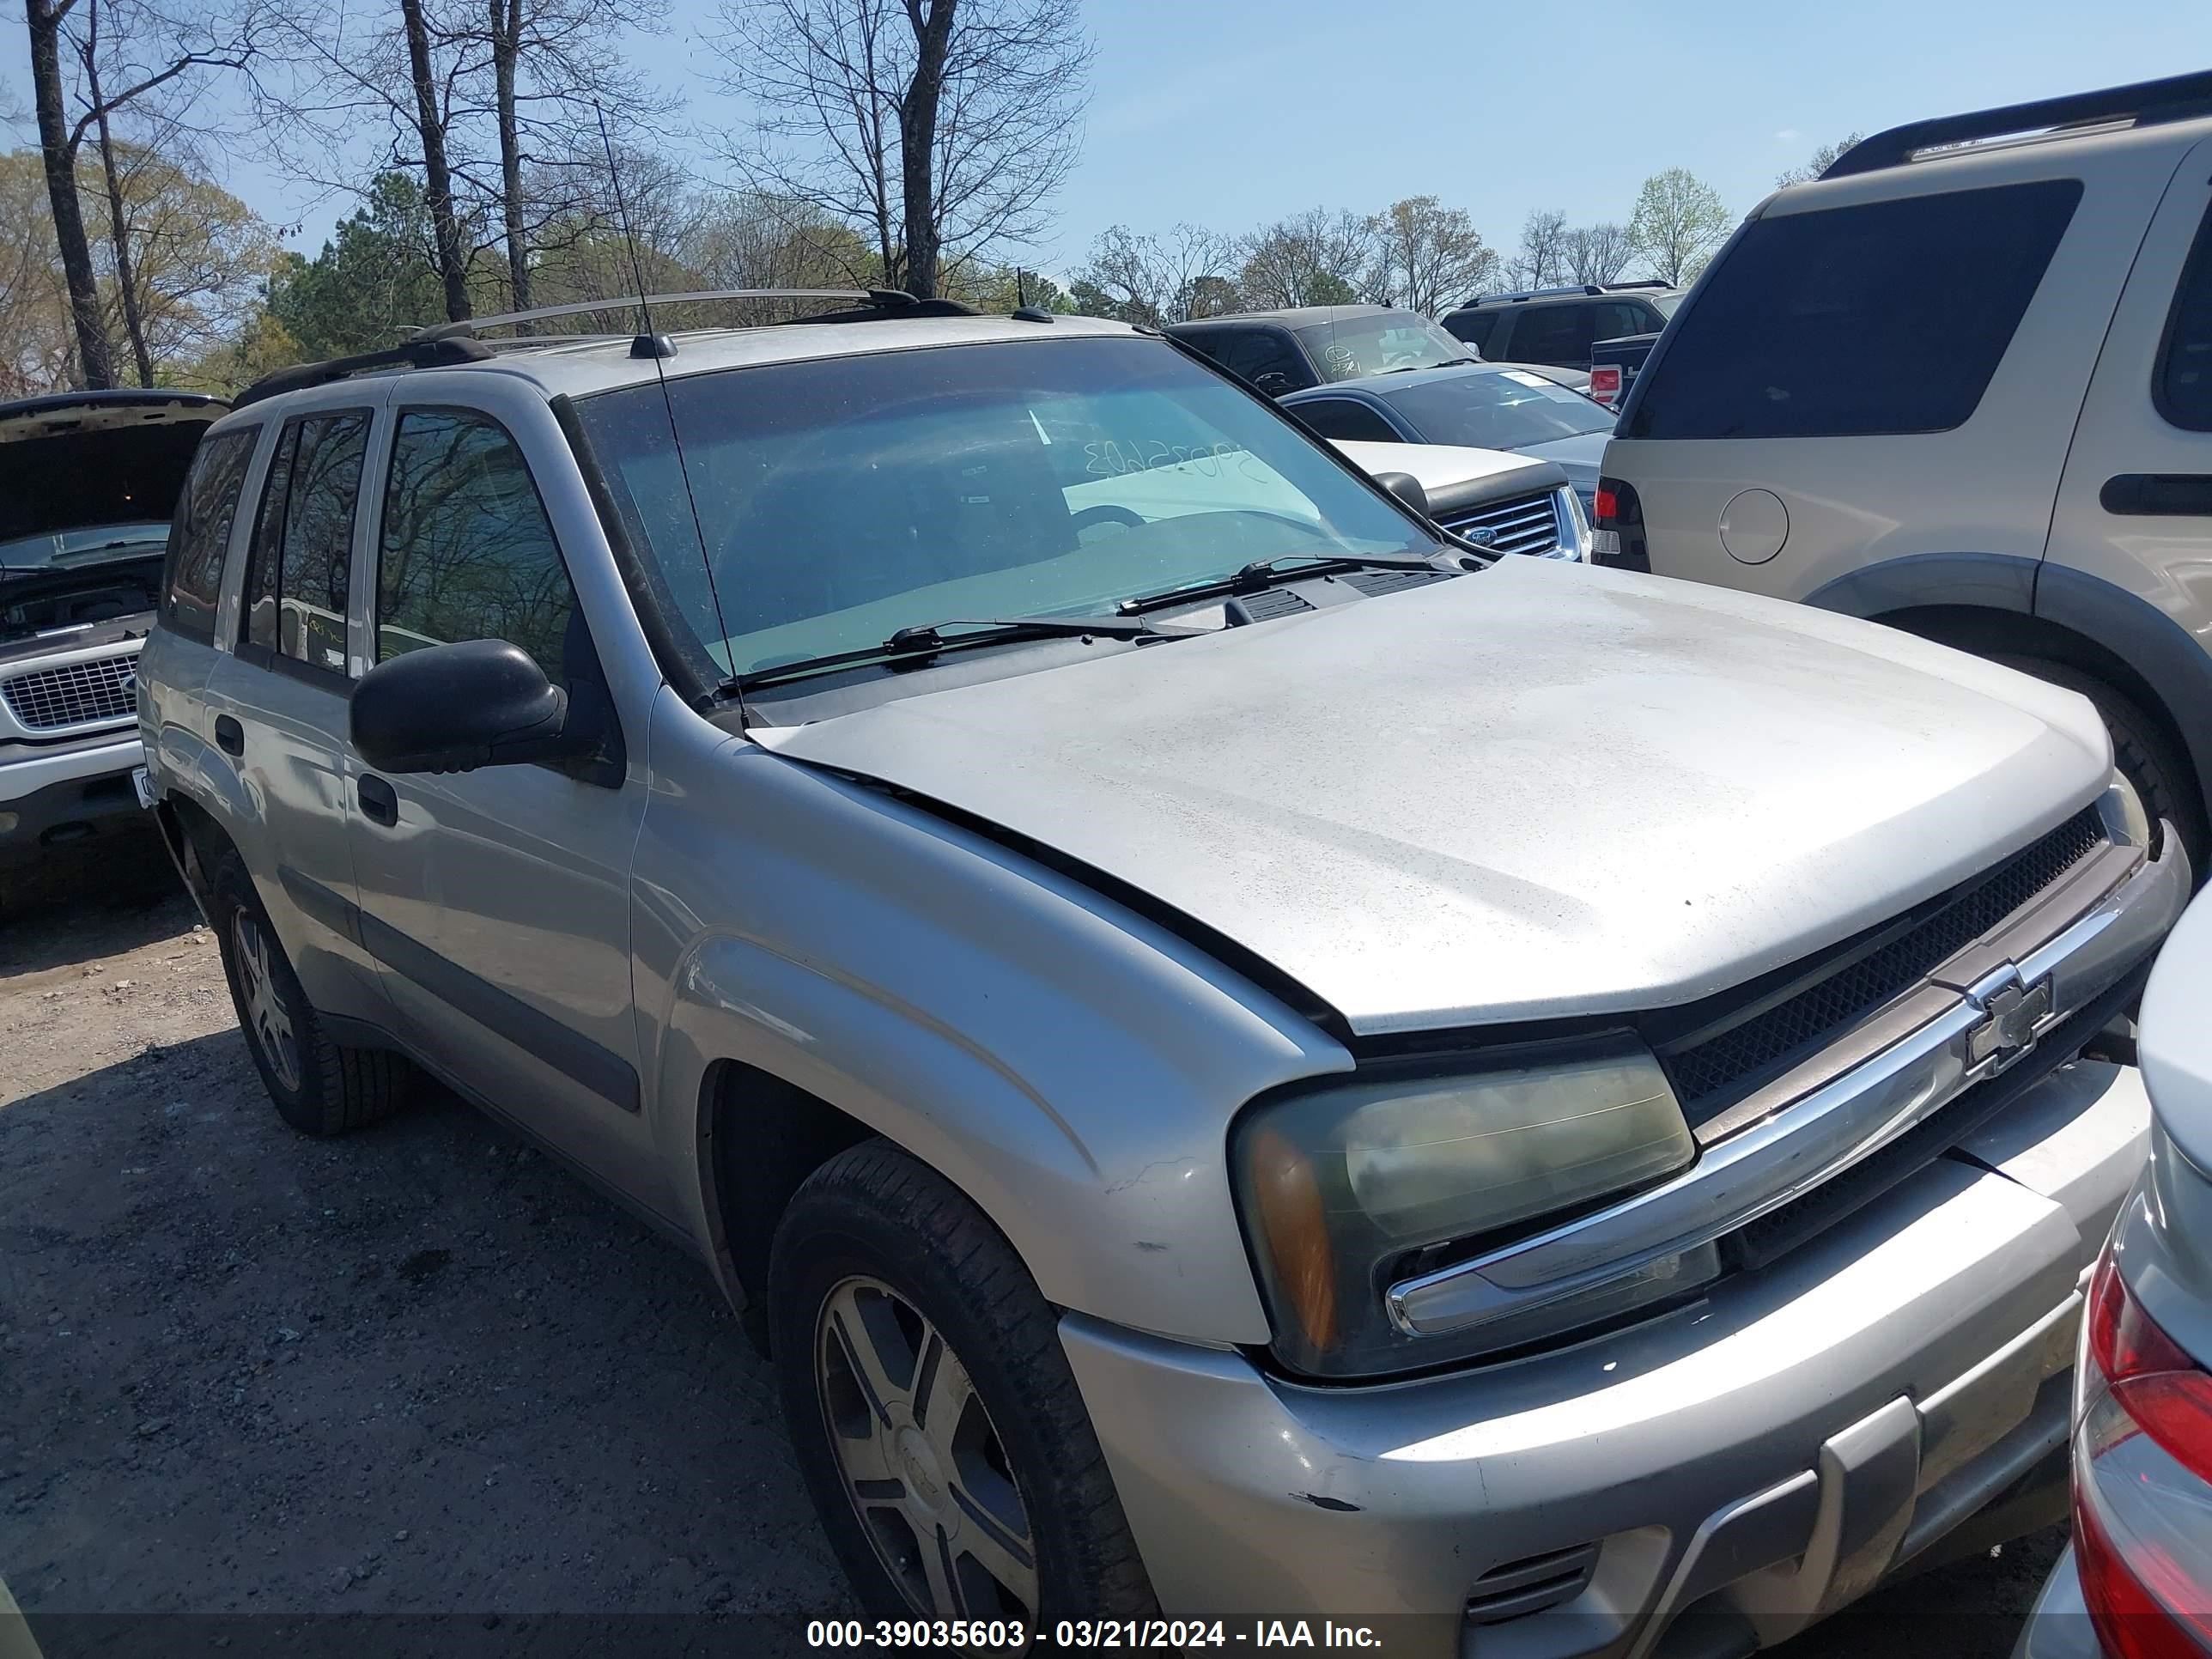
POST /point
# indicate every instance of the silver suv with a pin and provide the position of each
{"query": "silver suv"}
(1242, 1059)
(1962, 384)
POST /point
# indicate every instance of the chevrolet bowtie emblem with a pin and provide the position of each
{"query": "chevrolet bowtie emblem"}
(2007, 1028)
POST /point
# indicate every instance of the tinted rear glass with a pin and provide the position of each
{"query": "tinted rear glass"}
(2185, 365)
(1886, 318)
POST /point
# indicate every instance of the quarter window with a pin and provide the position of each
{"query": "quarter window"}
(1887, 317)
(2183, 388)
(467, 552)
(297, 580)
(1343, 417)
(200, 536)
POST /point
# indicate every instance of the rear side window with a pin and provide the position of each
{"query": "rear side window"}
(1477, 328)
(201, 533)
(1552, 334)
(2182, 389)
(297, 580)
(1344, 417)
(467, 552)
(1252, 352)
(1890, 317)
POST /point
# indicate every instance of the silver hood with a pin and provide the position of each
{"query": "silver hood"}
(1541, 790)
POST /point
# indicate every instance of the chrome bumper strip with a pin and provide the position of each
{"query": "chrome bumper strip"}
(1766, 1165)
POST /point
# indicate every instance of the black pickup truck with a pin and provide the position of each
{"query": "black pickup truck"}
(1614, 366)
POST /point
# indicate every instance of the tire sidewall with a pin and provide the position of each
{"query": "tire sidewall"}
(302, 1107)
(833, 1239)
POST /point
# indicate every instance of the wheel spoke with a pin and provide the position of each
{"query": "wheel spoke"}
(985, 1549)
(941, 1395)
(937, 1568)
(866, 1329)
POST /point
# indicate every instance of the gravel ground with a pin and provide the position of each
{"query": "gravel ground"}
(417, 1390)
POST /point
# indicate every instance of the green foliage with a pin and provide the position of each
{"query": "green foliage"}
(375, 276)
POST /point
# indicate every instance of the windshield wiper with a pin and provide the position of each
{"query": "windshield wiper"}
(910, 647)
(1260, 573)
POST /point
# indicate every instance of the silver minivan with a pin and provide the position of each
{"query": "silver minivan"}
(1245, 1058)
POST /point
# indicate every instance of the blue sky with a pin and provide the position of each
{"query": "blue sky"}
(1235, 112)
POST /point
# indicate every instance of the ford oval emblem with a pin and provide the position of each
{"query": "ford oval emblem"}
(1481, 535)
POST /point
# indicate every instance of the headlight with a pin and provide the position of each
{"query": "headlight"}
(2126, 821)
(1579, 536)
(1347, 1187)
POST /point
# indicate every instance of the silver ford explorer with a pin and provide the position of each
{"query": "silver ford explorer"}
(1245, 1058)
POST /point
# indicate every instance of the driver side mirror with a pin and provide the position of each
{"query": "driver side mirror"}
(456, 707)
(1407, 489)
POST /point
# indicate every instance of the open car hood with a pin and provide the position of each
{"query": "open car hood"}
(78, 459)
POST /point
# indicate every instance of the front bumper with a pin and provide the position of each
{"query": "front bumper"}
(1752, 1463)
(46, 799)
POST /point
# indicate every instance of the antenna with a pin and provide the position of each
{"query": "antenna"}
(659, 347)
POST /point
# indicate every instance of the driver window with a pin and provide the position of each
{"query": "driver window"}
(466, 551)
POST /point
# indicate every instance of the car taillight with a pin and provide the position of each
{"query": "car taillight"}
(2142, 1481)
(1605, 506)
(1605, 385)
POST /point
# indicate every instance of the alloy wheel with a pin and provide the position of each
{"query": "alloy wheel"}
(266, 1018)
(921, 1459)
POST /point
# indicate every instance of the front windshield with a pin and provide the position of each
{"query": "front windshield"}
(843, 498)
(1507, 409)
(1379, 343)
(74, 549)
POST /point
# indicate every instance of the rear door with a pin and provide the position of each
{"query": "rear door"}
(2135, 510)
(276, 695)
(1885, 367)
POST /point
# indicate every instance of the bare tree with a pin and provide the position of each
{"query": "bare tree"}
(1597, 254)
(1823, 159)
(1428, 256)
(1679, 221)
(1541, 261)
(1313, 258)
(940, 129)
(1162, 279)
(176, 48)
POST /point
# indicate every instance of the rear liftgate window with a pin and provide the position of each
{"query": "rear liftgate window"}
(1886, 318)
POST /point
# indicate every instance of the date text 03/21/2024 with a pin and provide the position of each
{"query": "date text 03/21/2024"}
(1174, 1635)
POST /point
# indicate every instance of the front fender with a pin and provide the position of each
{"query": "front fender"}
(1069, 1065)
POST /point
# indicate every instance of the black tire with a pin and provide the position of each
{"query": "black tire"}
(2147, 758)
(319, 1088)
(875, 1215)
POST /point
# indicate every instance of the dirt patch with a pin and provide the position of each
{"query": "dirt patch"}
(417, 1390)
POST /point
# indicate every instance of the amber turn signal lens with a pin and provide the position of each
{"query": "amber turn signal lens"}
(1292, 1219)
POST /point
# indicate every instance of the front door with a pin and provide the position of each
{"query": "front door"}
(496, 902)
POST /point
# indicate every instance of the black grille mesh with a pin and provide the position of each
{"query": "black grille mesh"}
(1766, 1042)
(1374, 582)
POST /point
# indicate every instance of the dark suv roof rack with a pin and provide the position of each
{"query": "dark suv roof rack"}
(2144, 104)
(1572, 287)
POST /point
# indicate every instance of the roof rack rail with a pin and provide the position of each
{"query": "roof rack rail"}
(872, 300)
(1641, 282)
(2144, 104)
(417, 353)
(1536, 293)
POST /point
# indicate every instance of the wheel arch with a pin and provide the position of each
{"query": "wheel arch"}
(1991, 603)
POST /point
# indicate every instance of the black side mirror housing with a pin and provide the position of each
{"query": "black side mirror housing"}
(456, 707)
(1404, 486)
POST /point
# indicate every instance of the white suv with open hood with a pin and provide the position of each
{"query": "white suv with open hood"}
(88, 481)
